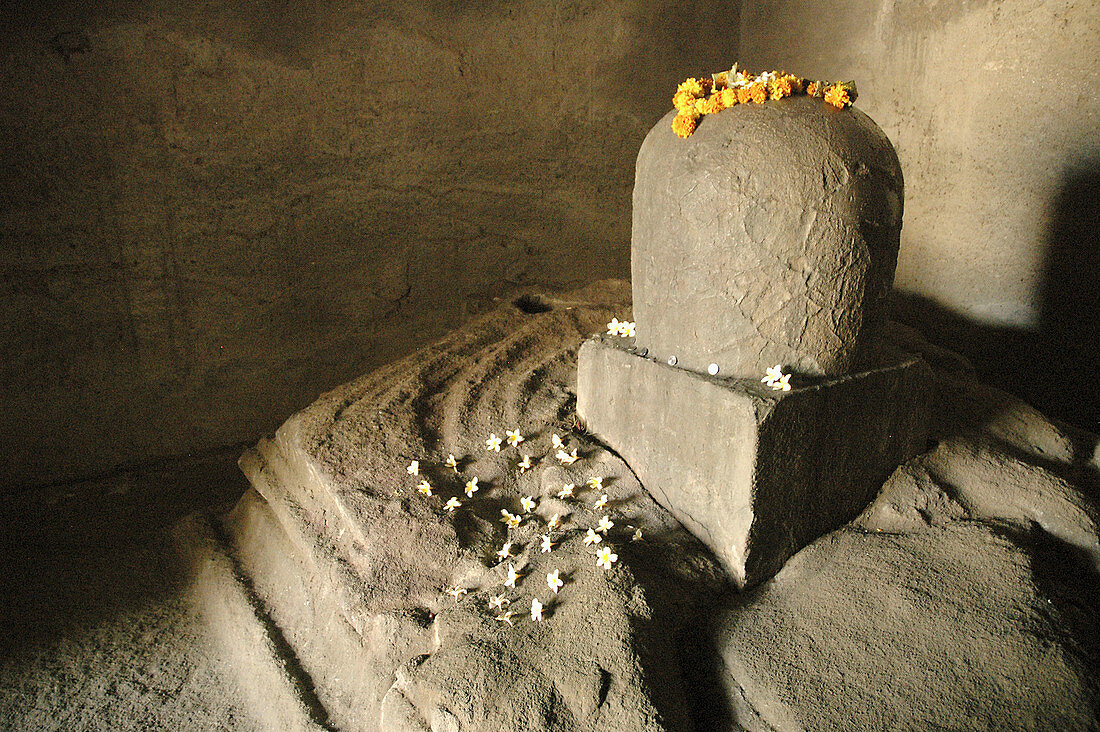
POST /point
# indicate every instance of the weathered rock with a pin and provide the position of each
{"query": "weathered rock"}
(352, 563)
(768, 236)
(928, 614)
(966, 594)
(755, 474)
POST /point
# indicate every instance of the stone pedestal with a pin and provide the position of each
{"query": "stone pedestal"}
(754, 473)
(768, 237)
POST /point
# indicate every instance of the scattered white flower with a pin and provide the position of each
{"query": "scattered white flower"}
(528, 504)
(600, 502)
(506, 551)
(425, 487)
(506, 617)
(452, 504)
(605, 558)
(493, 443)
(556, 442)
(553, 581)
(507, 517)
(613, 327)
(457, 592)
(414, 468)
(471, 487)
(514, 436)
(567, 458)
(776, 379)
(595, 483)
(536, 610)
(626, 329)
(605, 524)
(547, 546)
(637, 536)
(498, 602)
(513, 575)
(592, 538)
(554, 522)
(525, 464)
(773, 373)
(567, 491)
(451, 463)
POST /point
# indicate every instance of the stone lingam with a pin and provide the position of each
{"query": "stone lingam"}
(769, 237)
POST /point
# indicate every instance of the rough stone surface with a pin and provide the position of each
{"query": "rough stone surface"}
(964, 597)
(999, 198)
(211, 212)
(362, 597)
(756, 474)
(768, 236)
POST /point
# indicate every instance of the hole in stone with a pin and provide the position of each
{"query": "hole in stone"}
(532, 304)
(605, 686)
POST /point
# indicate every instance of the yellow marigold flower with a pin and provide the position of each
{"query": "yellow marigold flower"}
(683, 125)
(758, 92)
(700, 106)
(713, 104)
(780, 88)
(692, 86)
(744, 94)
(683, 101)
(729, 97)
(837, 96)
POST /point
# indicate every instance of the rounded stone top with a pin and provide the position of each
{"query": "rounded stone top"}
(769, 236)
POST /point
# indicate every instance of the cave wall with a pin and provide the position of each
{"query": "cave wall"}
(993, 109)
(210, 212)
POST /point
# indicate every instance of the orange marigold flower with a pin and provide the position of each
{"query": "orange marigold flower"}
(744, 95)
(683, 125)
(837, 96)
(692, 87)
(713, 104)
(683, 101)
(811, 88)
(758, 92)
(780, 88)
(729, 97)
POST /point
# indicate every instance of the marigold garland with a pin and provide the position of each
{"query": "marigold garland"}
(698, 97)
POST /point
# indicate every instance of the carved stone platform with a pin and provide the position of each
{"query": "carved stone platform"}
(755, 474)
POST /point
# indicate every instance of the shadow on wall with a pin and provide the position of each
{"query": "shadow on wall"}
(1056, 366)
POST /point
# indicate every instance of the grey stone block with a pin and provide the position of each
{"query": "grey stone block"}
(755, 474)
(768, 236)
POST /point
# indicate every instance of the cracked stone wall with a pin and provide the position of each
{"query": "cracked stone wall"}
(212, 212)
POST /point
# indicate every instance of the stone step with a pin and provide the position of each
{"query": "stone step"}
(266, 678)
(347, 653)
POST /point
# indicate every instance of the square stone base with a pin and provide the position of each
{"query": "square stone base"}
(755, 474)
